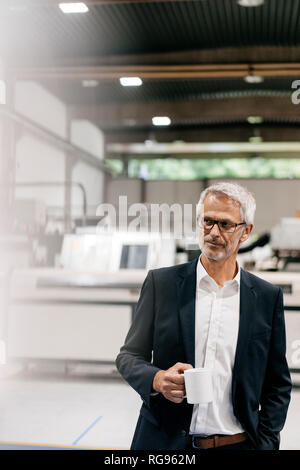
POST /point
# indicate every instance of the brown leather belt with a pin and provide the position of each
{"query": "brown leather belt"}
(218, 440)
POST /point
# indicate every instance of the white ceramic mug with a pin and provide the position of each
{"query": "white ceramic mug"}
(198, 385)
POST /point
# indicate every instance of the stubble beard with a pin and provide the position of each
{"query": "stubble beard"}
(224, 252)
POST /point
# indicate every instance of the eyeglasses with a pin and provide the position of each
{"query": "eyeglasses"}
(224, 226)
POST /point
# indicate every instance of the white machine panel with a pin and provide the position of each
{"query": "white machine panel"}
(292, 324)
(51, 283)
(77, 332)
(286, 234)
(117, 251)
(288, 281)
(86, 252)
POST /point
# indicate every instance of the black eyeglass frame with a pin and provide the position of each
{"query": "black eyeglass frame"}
(218, 222)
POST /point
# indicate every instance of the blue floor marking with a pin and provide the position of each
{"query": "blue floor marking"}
(86, 431)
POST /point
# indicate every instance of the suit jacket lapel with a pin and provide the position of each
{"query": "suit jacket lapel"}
(186, 284)
(247, 311)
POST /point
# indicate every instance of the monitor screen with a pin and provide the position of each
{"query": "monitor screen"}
(134, 257)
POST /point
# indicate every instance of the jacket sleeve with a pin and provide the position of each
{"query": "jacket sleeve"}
(134, 359)
(277, 386)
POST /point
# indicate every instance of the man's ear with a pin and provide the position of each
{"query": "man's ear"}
(246, 233)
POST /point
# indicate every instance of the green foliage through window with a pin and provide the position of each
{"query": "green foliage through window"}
(191, 169)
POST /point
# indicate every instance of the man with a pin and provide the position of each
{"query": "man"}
(211, 313)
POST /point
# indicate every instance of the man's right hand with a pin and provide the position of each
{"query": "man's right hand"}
(171, 382)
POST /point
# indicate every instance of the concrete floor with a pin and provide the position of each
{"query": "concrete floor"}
(68, 411)
(85, 412)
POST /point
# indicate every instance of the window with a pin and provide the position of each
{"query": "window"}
(193, 168)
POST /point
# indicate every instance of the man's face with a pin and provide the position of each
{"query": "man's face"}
(217, 245)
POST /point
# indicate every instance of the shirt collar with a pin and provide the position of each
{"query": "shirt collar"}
(204, 278)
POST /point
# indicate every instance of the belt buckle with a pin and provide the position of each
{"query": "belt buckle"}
(193, 440)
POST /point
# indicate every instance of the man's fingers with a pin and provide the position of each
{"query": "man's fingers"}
(173, 386)
(174, 378)
(174, 398)
(182, 366)
(177, 393)
(173, 382)
(177, 379)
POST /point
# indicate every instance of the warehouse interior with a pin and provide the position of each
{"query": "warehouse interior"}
(107, 112)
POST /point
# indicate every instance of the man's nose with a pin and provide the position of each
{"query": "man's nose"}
(215, 230)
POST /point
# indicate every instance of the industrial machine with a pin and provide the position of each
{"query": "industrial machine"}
(81, 311)
(289, 282)
(279, 263)
(113, 253)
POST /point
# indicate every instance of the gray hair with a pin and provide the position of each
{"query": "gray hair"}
(233, 191)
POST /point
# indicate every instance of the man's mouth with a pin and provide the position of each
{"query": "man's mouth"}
(214, 244)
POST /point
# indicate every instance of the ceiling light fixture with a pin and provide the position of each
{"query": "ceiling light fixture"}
(254, 79)
(250, 3)
(161, 121)
(254, 119)
(77, 7)
(131, 81)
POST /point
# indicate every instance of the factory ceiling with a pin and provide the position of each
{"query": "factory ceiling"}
(193, 57)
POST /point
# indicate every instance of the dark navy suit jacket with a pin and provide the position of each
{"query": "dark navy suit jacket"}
(163, 333)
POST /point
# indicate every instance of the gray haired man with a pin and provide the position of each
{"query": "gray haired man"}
(210, 312)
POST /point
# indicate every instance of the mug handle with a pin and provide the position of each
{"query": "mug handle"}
(184, 396)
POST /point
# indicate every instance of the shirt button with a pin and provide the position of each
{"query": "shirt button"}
(183, 433)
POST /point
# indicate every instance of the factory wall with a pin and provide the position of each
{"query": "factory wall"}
(1, 157)
(275, 198)
(88, 137)
(40, 106)
(131, 188)
(37, 160)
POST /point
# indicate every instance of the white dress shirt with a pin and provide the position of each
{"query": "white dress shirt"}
(216, 332)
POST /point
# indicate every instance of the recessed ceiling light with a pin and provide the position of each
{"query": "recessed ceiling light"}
(250, 3)
(131, 81)
(2, 92)
(254, 79)
(254, 119)
(77, 7)
(161, 121)
(89, 83)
